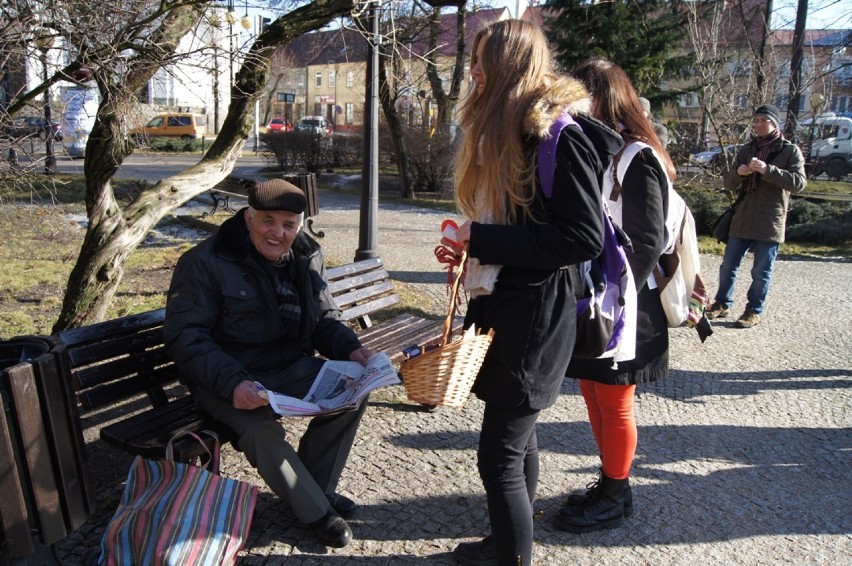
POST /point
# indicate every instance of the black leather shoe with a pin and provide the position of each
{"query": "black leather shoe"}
(479, 553)
(344, 506)
(332, 530)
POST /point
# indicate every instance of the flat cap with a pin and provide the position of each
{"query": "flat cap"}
(277, 194)
(645, 104)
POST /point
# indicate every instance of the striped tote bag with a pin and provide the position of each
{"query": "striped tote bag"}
(173, 513)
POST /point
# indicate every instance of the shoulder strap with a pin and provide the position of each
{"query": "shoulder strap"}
(547, 152)
(623, 159)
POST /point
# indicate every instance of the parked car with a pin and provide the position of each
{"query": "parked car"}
(181, 125)
(717, 159)
(27, 126)
(315, 125)
(279, 126)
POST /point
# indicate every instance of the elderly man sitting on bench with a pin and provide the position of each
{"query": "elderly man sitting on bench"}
(249, 304)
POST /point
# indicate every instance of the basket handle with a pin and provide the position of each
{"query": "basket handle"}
(448, 323)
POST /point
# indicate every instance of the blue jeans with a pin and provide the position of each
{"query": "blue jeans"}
(761, 271)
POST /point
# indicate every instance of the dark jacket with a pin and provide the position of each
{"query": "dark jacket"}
(222, 322)
(533, 308)
(645, 194)
(762, 215)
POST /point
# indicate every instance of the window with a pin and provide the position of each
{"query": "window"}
(350, 78)
(300, 82)
(331, 78)
(319, 78)
(350, 112)
(741, 100)
(841, 104)
(688, 100)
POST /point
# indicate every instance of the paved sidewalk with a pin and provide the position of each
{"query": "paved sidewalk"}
(745, 451)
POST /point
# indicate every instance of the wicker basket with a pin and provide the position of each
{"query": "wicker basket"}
(445, 375)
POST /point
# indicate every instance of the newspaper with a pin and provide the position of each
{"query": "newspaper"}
(339, 386)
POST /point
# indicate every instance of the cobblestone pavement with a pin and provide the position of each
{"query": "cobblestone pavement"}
(745, 451)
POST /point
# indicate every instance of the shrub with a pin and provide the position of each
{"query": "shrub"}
(705, 205)
(827, 231)
(301, 150)
(805, 212)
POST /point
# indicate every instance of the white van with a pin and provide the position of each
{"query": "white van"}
(831, 148)
(315, 125)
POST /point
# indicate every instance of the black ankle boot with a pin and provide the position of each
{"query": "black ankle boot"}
(592, 491)
(606, 511)
(479, 553)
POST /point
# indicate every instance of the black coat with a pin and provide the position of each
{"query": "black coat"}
(645, 194)
(533, 308)
(222, 324)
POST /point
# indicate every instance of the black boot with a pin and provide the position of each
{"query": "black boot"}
(592, 491)
(606, 511)
(479, 553)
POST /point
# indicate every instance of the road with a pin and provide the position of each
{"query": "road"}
(155, 166)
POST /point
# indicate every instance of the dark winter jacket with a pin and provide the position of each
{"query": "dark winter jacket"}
(222, 322)
(533, 307)
(762, 215)
(645, 194)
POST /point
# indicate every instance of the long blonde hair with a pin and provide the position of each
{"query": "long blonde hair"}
(492, 170)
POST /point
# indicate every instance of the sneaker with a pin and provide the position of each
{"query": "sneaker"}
(717, 310)
(479, 553)
(748, 319)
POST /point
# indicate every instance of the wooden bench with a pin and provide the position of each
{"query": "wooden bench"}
(120, 367)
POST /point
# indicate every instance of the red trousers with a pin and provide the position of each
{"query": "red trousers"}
(613, 424)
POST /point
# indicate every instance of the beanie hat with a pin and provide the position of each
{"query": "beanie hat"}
(771, 112)
(645, 104)
(277, 194)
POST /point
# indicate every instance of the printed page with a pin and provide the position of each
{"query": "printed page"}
(339, 386)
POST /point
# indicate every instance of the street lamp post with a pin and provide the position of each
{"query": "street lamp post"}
(368, 228)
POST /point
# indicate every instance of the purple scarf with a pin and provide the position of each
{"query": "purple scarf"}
(763, 145)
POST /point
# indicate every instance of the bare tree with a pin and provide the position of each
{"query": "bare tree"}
(123, 46)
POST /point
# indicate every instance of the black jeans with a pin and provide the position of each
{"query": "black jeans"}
(508, 465)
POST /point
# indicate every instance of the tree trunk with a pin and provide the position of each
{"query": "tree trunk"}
(403, 162)
(113, 234)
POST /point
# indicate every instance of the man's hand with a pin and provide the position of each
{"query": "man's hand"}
(246, 396)
(757, 166)
(361, 355)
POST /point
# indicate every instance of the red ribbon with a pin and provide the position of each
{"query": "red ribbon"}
(448, 256)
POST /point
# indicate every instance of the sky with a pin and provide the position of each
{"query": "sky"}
(822, 14)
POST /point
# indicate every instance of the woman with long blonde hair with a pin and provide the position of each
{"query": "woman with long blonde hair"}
(520, 244)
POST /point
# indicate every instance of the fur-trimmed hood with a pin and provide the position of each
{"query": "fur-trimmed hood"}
(564, 95)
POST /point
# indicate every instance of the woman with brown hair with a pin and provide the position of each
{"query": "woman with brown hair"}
(635, 188)
(520, 242)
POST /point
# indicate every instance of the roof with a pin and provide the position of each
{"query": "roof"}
(349, 45)
(815, 37)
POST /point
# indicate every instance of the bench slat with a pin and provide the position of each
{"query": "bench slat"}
(369, 307)
(150, 382)
(138, 340)
(358, 296)
(335, 273)
(125, 366)
(343, 285)
(115, 327)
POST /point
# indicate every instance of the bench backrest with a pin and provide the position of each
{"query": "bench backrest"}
(361, 288)
(117, 359)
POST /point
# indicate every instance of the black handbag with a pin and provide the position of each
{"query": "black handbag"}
(722, 226)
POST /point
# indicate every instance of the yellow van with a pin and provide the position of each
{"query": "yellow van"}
(181, 125)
